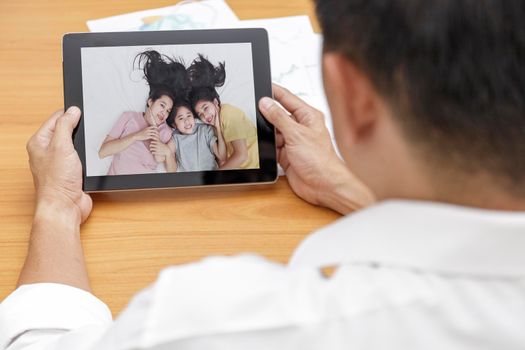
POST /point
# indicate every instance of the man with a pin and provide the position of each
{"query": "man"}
(428, 103)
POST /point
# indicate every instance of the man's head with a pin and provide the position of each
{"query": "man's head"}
(423, 92)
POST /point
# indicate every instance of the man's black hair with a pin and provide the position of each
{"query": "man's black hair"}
(452, 70)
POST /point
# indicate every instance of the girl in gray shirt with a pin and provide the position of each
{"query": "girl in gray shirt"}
(194, 145)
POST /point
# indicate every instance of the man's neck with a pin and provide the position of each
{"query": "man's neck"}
(474, 190)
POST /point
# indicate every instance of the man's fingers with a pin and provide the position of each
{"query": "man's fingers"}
(65, 125)
(48, 127)
(289, 101)
(277, 116)
(45, 133)
(282, 158)
(301, 111)
(309, 116)
(279, 139)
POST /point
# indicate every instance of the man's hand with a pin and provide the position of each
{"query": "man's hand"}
(56, 168)
(55, 253)
(307, 155)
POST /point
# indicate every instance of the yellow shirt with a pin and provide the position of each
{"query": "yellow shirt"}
(236, 126)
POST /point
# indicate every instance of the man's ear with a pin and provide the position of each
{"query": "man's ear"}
(355, 105)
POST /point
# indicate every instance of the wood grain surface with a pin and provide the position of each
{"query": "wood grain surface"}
(129, 236)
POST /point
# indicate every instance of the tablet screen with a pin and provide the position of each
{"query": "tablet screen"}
(118, 108)
(170, 108)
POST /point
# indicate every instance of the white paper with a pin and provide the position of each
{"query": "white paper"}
(185, 15)
(295, 56)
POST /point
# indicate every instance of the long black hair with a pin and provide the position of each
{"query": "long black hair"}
(165, 75)
(205, 78)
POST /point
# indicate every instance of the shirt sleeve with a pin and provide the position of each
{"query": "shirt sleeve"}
(216, 297)
(165, 133)
(38, 313)
(118, 129)
(238, 303)
(236, 124)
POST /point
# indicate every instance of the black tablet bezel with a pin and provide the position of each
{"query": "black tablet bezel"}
(73, 96)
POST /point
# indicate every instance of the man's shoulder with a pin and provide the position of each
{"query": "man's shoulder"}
(249, 302)
(232, 295)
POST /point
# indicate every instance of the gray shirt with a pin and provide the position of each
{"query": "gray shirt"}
(194, 152)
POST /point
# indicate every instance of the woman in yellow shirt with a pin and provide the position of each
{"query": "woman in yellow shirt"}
(240, 134)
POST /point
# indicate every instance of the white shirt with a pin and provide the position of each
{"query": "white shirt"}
(411, 275)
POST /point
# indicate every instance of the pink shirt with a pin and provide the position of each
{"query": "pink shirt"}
(136, 159)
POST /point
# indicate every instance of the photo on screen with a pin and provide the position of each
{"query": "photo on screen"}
(169, 108)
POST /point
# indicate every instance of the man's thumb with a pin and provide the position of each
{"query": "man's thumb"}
(276, 115)
(66, 123)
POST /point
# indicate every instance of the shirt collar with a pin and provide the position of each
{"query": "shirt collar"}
(423, 236)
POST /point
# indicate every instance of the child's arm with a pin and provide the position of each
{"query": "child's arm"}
(171, 163)
(166, 151)
(238, 157)
(159, 158)
(219, 147)
(112, 146)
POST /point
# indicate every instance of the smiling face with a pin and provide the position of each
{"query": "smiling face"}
(207, 111)
(158, 110)
(184, 120)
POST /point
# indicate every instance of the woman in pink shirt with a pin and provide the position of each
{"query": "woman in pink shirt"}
(129, 139)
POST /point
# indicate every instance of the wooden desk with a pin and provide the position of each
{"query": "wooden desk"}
(129, 236)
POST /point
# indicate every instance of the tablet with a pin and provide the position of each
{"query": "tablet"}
(170, 109)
